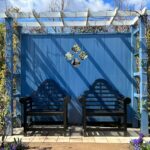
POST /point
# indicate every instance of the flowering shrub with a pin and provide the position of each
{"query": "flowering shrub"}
(139, 144)
(16, 145)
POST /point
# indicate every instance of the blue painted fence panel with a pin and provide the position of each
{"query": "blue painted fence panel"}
(109, 58)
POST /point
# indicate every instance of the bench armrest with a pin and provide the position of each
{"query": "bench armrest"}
(82, 99)
(25, 100)
(67, 99)
(127, 100)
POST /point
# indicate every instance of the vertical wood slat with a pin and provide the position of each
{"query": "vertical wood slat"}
(133, 69)
(143, 76)
(9, 68)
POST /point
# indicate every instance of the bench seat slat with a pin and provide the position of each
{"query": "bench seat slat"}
(31, 113)
(90, 112)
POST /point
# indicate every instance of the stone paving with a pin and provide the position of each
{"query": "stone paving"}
(75, 137)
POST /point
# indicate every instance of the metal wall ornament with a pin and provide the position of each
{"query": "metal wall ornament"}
(69, 56)
(76, 48)
(75, 62)
(83, 55)
(80, 55)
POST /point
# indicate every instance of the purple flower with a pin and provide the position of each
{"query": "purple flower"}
(136, 141)
(141, 135)
(12, 147)
(137, 147)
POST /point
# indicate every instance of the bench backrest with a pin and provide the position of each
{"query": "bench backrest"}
(49, 95)
(101, 95)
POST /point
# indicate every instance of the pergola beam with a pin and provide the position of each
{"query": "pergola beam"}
(36, 16)
(71, 19)
(75, 23)
(109, 13)
(87, 18)
(62, 18)
(143, 12)
(113, 17)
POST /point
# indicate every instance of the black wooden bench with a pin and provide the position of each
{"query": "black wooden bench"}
(103, 101)
(48, 101)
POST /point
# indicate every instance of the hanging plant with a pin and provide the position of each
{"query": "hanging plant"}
(83, 55)
(69, 56)
(76, 48)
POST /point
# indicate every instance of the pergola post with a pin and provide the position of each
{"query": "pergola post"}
(134, 99)
(143, 75)
(17, 75)
(9, 72)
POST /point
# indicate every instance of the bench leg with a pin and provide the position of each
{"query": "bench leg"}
(65, 126)
(125, 125)
(25, 124)
(65, 121)
(25, 120)
(119, 122)
(84, 127)
(84, 122)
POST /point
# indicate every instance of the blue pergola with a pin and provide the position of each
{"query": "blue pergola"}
(135, 19)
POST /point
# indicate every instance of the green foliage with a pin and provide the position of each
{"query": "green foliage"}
(4, 100)
(16, 145)
(148, 67)
(19, 144)
(146, 146)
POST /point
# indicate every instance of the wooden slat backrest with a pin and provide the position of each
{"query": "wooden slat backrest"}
(49, 95)
(101, 95)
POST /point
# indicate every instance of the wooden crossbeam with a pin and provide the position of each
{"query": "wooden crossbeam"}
(87, 18)
(75, 23)
(143, 12)
(37, 16)
(113, 17)
(100, 18)
(77, 14)
(62, 18)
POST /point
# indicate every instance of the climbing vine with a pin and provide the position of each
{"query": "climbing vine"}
(148, 67)
(4, 100)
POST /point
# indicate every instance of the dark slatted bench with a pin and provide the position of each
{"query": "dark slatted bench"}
(103, 101)
(48, 101)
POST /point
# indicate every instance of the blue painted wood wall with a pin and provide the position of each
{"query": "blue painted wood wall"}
(43, 57)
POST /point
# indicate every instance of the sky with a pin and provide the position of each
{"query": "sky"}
(73, 5)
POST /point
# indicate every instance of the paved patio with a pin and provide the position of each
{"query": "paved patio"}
(76, 137)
